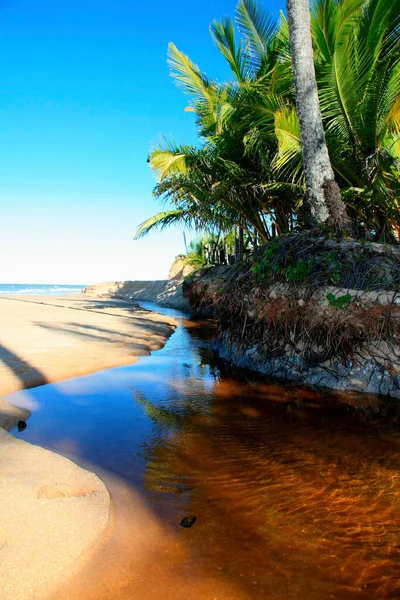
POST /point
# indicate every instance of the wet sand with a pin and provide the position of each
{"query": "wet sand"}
(55, 515)
(45, 339)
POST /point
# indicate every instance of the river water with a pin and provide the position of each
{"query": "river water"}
(296, 496)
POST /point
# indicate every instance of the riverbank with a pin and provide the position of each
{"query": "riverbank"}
(311, 309)
(53, 514)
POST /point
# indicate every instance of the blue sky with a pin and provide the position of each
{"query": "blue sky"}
(84, 91)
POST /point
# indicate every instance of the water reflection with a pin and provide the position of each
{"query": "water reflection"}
(295, 496)
(300, 501)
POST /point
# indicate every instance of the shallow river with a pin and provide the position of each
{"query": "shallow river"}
(295, 495)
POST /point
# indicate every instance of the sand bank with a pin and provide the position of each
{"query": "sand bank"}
(45, 339)
(54, 515)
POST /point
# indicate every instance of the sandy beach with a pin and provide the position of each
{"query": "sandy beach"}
(54, 515)
(46, 339)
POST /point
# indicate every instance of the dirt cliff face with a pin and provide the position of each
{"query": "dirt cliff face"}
(179, 269)
(164, 293)
(204, 289)
(311, 309)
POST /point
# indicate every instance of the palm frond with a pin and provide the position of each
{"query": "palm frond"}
(289, 157)
(258, 28)
(393, 114)
(223, 36)
(160, 221)
(167, 157)
(189, 77)
(332, 23)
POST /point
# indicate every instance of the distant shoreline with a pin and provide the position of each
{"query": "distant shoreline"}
(39, 289)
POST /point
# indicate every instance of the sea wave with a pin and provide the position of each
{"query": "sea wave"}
(15, 289)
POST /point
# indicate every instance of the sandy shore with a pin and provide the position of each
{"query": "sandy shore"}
(45, 339)
(54, 515)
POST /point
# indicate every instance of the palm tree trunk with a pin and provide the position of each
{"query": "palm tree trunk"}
(239, 244)
(323, 203)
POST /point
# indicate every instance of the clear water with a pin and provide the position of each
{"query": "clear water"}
(38, 289)
(296, 496)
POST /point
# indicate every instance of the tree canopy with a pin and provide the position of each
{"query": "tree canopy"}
(247, 169)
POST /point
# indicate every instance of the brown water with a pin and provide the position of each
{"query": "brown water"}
(296, 496)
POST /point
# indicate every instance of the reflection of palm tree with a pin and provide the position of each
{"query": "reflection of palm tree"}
(256, 478)
(159, 451)
(167, 417)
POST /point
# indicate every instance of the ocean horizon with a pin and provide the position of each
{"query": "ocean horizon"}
(39, 289)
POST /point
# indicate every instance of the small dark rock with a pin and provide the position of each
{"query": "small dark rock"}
(188, 521)
(21, 425)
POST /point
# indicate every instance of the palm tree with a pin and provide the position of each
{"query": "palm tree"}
(356, 55)
(357, 45)
(224, 180)
(323, 201)
(195, 256)
(249, 170)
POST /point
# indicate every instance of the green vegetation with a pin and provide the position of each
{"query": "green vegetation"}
(320, 261)
(261, 268)
(247, 172)
(300, 271)
(211, 249)
(294, 273)
(339, 301)
(297, 272)
(195, 256)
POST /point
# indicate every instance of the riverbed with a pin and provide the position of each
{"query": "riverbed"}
(295, 493)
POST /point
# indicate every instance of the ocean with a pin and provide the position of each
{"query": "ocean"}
(39, 289)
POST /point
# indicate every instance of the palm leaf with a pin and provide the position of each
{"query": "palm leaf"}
(287, 130)
(393, 114)
(258, 28)
(189, 77)
(164, 162)
(160, 221)
(332, 23)
(223, 36)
